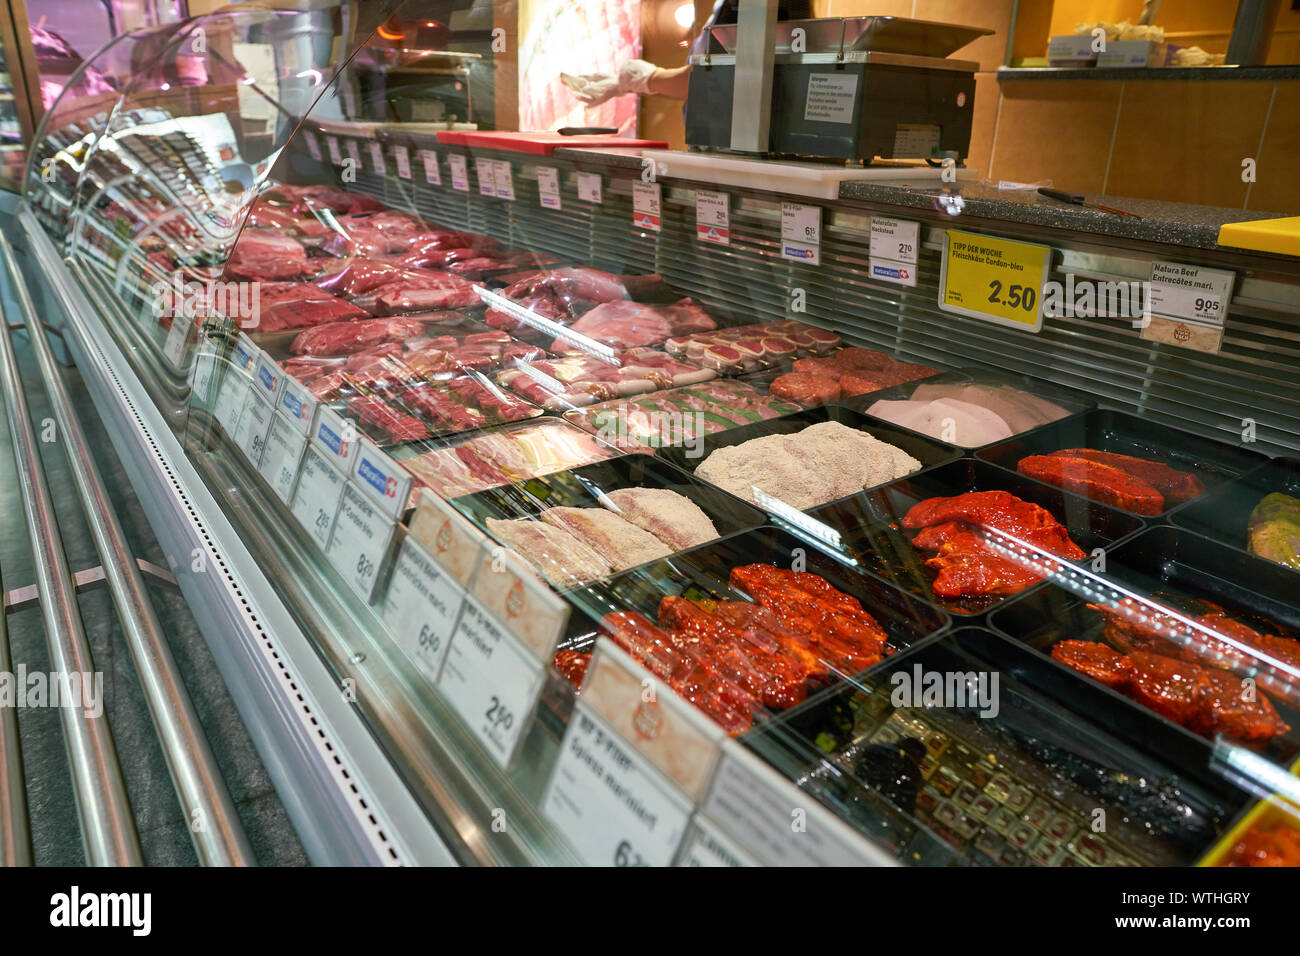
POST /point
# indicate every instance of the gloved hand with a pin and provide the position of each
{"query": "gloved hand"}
(592, 89)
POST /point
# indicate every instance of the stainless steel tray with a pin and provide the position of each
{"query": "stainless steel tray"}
(879, 34)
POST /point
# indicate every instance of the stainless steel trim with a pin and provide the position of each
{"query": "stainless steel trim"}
(107, 827)
(15, 833)
(751, 103)
(214, 826)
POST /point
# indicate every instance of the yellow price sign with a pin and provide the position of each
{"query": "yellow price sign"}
(998, 280)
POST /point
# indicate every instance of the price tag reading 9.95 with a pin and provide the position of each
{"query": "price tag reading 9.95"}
(994, 279)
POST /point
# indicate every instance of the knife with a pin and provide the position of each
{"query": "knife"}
(1076, 199)
(586, 130)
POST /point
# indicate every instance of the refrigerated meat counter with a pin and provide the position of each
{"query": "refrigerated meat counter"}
(560, 507)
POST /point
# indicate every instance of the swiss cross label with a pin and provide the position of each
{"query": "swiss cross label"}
(383, 479)
(432, 172)
(316, 496)
(548, 187)
(282, 456)
(421, 606)
(487, 176)
(267, 380)
(297, 404)
(335, 437)
(712, 217)
(647, 200)
(459, 172)
(377, 158)
(589, 188)
(402, 159)
(895, 248)
(801, 233)
(504, 179)
(362, 534)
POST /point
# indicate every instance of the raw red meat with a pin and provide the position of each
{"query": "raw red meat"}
(1001, 511)
(297, 305)
(625, 325)
(303, 199)
(1094, 480)
(746, 348)
(263, 255)
(572, 665)
(559, 294)
(264, 215)
(806, 388)
(359, 275)
(1177, 486)
(345, 338)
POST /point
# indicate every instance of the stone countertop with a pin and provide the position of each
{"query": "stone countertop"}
(1016, 74)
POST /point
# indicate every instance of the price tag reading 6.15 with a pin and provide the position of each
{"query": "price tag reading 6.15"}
(997, 280)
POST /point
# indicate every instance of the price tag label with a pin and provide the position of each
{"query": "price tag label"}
(313, 145)
(421, 606)
(448, 536)
(1188, 305)
(895, 249)
(385, 481)
(177, 336)
(206, 364)
(257, 423)
(712, 217)
(487, 176)
(359, 544)
(756, 807)
(267, 379)
(706, 845)
(647, 200)
(801, 233)
(335, 437)
(459, 172)
(491, 680)
(244, 354)
(509, 589)
(402, 158)
(997, 280)
(377, 158)
(589, 188)
(297, 404)
(332, 144)
(231, 397)
(316, 496)
(504, 178)
(432, 172)
(548, 187)
(282, 456)
(354, 152)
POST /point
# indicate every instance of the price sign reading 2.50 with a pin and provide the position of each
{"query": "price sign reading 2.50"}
(994, 279)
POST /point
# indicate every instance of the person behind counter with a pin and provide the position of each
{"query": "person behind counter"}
(643, 77)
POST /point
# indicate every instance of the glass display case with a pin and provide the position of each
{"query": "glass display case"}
(572, 500)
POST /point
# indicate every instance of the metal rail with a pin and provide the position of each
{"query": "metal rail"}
(15, 835)
(215, 829)
(107, 828)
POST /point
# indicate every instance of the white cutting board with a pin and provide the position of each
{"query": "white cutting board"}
(815, 180)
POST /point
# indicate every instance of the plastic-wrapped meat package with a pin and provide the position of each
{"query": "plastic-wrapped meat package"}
(346, 338)
(382, 288)
(626, 325)
(577, 380)
(748, 348)
(379, 418)
(439, 239)
(849, 372)
(678, 415)
(507, 454)
(465, 403)
(265, 255)
(284, 306)
(304, 199)
(266, 216)
(458, 352)
(560, 295)
(373, 234)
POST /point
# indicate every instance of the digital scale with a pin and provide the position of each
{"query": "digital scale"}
(841, 88)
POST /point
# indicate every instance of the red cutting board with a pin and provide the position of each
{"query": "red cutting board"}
(541, 143)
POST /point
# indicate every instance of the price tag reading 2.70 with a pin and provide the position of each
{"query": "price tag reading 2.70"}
(997, 280)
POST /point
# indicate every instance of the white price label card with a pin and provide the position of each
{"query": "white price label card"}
(402, 159)
(354, 152)
(503, 175)
(712, 217)
(895, 250)
(589, 188)
(282, 456)
(421, 606)
(758, 809)
(336, 155)
(491, 679)
(359, 544)
(316, 496)
(377, 159)
(801, 233)
(647, 201)
(706, 845)
(459, 172)
(510, 589)
(448, 536)
(487, 176)
(232, 394)
(335, 437)
(548, 187)
(177, 336)
(258, 416)
(206, 363)
(244, 354)
(432, 171)
(1188, 305)
(313, 145)
(268, 379)
(387, 482)
(298, 404)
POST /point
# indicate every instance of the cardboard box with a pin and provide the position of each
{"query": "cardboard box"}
(1071, 50)
(1132, 53)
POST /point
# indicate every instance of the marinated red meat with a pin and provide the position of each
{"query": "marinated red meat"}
(1092, 479)
(1095, 659)
(806, 388)
(1176, 486)
(572, 665)
(1001, 511)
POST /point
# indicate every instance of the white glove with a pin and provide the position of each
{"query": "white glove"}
(592, 89)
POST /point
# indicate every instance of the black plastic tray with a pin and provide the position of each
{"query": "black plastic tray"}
(1073, 402)
(1106, 430)
(1223, 513)
(925, 450)
(1168, 564)
(870, 529)
(580, 488)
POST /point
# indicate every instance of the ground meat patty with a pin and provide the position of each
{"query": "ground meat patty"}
(818, 366)
(860, 383)
(806, 388)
